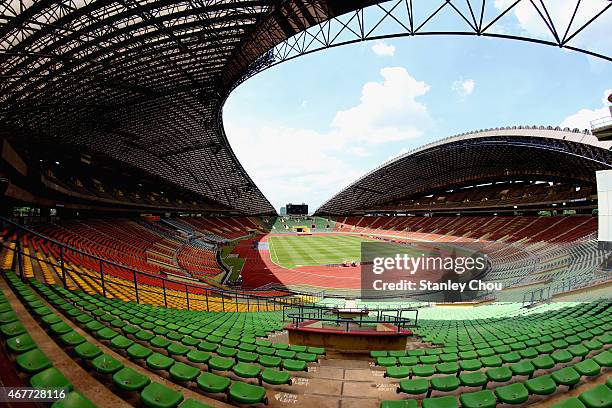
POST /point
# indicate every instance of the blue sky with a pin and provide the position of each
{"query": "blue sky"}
(308, 127)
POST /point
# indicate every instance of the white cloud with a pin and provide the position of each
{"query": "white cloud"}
(582, 119)
(464, 87)
(359, 151)
(304, 103)
(388, 111)
(383, 49)
(291, 164)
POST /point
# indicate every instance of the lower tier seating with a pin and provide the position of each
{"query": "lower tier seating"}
(222, 355)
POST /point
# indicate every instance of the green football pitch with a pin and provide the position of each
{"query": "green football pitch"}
(291, 250)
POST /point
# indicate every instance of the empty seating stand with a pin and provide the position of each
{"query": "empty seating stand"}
(220, 354)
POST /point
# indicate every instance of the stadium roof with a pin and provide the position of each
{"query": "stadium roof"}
(143, 82)
(481, 156)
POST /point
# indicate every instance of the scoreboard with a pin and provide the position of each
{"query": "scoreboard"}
(297, 209)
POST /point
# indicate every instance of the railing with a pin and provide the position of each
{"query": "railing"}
(394, 316)
(536, 296)
(76, 267)
(319, 314)
(601, 122)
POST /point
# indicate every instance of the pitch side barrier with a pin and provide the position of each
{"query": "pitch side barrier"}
(109, 275)
(361, 316)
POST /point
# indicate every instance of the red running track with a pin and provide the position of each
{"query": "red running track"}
(259, 270)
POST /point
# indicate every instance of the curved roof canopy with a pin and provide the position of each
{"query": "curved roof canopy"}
(470, 158)
(142, 82)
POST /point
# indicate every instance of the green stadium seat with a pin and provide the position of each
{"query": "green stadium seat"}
(182, 372)
(20, 344)
(593, 344)
(270, 361)
(220, 363)
(156, 395)
(604, 359)
(106, 364)
(566, 376)
(87, 351)
(52, 319)
(308, 357)
(523, 368)
(33, 361)
(274, 377)
(492, 361)
(447, 368)
(588, 368)
(413, 387)
(177, 349)
(423, 370)
(191, 403)
(121, 342)
(247, 394)
(247, 357)
(397, 372)
(470, 365)
(213, 383)
(440, 402)
(542, 385)
(50, 378)
(385, 361)
(529, 353)
(224, 351)
(295, 347)
(8, 317)
(158, 361)
(446, 384)
(499, 374)
(128, 379)
(599, 396)
(106, 333)
(320, 351)
(543, 362)
(245, 370)
(473, 379)
(251, 348)
(294, 365)
(198, 356)
(408, 361)
(479, 399)
(562, 356)
(429, 359)
(512, 394)
(138, 352)
(12, 329)
(73, 399)
(578, 350)
(159, 342)
(448, 357)
(93, 326)
(572, 402)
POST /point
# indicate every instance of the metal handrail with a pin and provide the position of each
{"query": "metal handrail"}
(399, 322)
(316, 312)
(163, 283)
(601, 122)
